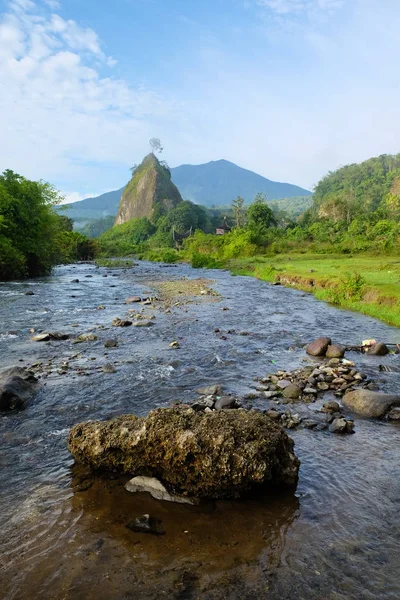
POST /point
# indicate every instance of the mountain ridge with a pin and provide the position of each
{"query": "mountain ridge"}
(213, 183)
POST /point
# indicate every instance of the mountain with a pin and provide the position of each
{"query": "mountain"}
(217, 182)
(149, 191)
(93, 208)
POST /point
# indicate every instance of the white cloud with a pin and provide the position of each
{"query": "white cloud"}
(287, 7)
(77, 196)
(53, 4)
(60, 107)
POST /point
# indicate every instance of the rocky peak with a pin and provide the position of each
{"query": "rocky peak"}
(150, 191)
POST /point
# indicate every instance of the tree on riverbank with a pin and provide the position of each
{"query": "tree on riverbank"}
(32, 236)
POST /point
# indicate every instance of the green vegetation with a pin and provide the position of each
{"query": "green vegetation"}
(355, 214)
(366, 284)
(33, 237)
(96, 227)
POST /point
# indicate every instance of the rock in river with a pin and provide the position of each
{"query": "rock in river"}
(319, 346)
(370, 404)
(221, 454)
(335, 351)
(378, 349)
(17, 385)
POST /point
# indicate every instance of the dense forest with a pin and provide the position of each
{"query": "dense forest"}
(33, 237)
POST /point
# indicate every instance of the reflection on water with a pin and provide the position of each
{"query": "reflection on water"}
(63, 531)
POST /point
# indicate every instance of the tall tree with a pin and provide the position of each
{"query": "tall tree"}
(155, 145)
(239, 212)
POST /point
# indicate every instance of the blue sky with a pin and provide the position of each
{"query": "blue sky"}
(288, 88)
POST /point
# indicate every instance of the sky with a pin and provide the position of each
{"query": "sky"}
(290, 89)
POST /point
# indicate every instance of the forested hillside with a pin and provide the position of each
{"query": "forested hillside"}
(359, 190)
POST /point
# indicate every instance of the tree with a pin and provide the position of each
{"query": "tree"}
(133, 168)
(259, 214)
(155, 145)
(239, 212)
(30, 228)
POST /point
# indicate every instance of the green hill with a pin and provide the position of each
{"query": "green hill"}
(214, 183)
(358, 190)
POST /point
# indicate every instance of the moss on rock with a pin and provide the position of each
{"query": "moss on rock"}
(217, 455)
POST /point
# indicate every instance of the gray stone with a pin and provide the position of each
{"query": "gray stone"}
(283, 383)
(146, 524)
(225, 402)
(111, 343)
(335, 351)
(370, 404)
(117, 322)
(379, 349)
(41, 337)
(394, 414)
(211, 390)
(108, 368)
(318, 347)
(310, 390)
(292, 391)
(156, 489)
(133, 299)
(17, 386)
(338, 425)
(330, 407)
(143, 324)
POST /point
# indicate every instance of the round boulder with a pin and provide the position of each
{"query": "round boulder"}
(379, 349)
(370, 404)
(319, 346)
(335, 351)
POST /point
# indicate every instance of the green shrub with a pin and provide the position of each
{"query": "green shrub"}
(200, 261)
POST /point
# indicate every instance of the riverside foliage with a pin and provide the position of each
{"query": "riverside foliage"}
(33, 237)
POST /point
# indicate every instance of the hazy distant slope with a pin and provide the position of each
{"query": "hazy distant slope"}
(219, 182)
(94, 208)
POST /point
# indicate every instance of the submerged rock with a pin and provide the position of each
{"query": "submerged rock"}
(156, 489)
(17, 386)
(221, 454)
(146, 524)
(370, 404)
(319, 346)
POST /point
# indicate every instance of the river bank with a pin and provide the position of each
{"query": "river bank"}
(334, 278)
(63, 531)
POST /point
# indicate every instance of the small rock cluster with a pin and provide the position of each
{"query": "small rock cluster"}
(213, 398)
(333, 419)
(305, 385)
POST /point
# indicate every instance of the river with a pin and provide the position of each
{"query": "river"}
(63, 532)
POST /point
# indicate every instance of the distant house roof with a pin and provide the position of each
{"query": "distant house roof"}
(224, 228)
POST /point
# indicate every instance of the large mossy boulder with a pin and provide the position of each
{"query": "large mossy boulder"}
(222, 454)
(150, 192)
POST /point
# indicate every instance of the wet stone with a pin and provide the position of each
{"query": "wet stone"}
(146, 524)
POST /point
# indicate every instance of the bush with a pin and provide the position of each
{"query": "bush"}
(200, 261)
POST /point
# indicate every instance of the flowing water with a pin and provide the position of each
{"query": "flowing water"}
(63, 531)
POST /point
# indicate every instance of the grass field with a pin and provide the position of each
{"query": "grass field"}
(367, 284)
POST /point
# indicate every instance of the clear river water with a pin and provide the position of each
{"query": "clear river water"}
(63, 531)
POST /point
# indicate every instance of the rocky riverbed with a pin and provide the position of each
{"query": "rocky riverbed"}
(216, 343)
